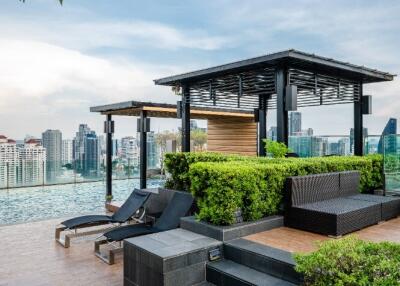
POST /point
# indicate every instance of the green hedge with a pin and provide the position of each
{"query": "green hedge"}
(256, 185)
(177, 165)
(351, 261)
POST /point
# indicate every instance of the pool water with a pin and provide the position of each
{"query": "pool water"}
(38, 203)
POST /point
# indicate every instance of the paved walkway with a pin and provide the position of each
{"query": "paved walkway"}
(30, 256)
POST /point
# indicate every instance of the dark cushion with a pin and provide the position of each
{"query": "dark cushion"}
(86, 220)
(374, 198)
(128, 231)
(338, 205)
(313, 188)
(390, 206)
(349, 183)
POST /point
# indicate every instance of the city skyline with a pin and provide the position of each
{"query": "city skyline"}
(146, 41)
(52, 159)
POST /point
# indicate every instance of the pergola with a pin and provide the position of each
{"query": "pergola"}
(220, 117)
(282, 81)
(246, 90)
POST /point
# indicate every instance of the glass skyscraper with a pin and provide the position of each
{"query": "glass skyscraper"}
(52, 141)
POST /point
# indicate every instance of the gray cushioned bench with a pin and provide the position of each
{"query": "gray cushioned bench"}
(349, 182)
(331, 204)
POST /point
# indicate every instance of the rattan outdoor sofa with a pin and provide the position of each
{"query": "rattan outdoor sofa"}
(331, 204)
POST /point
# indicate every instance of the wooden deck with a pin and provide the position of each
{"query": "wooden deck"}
(295, 240)
(30, 256)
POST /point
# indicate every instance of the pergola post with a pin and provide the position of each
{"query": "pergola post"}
(186, 118)
(143, 128)
(262, 124)
(358, 125)
(109, 130)
(281, 112)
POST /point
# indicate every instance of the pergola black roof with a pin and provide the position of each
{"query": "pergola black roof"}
(239, 85)
(292, 57)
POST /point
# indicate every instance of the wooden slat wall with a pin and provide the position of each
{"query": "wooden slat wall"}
(232, 135)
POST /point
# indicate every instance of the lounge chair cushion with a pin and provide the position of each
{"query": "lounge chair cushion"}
(178, 207)
(127, 231)
(132, 204)
(86, 220)
(135, 200)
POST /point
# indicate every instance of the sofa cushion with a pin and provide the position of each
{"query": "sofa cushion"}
(349, 183)
(390, 206)
(338, 205)
(374, 198)
(313, 188)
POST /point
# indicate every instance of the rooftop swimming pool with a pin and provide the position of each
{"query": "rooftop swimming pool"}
(38, 203)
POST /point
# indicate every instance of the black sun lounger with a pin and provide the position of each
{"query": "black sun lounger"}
(134, 202)
(178, 207)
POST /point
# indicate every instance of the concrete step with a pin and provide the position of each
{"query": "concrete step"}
(228, 273)
(265, 259)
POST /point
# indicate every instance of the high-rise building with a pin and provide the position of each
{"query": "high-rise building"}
(318, 146)
(333, 148)
(9, 163)
(86, 152)
(308, 132)
(52, 141)
(344, 146)
(365, 135)
(129, 152)
(272, 133)
(102, 144)
(294, 123)
(389, 143)
(115, 147)
(91, 167)
(152, 153)
(33, 163)
(301, 145)
(66, 153)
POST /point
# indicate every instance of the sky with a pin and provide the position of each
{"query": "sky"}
(57, 61)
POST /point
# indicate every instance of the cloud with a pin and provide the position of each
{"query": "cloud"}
(36, 69)
(57, 63)
(47, 86)
(86, 35)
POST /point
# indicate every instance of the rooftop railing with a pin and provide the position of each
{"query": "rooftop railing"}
(31, 173)
(330, 145)
(15, 174)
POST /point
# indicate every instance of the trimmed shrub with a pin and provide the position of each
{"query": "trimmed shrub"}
(257, 186)
(351, 261)
(177, 165)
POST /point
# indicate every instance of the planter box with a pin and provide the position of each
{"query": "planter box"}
(225, 233)
(171, 258)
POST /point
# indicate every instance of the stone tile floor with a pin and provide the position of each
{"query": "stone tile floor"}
(30, 256)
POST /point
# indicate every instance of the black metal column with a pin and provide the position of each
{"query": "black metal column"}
(262, 125)
(109, 129)
(143, 149)
(358, 126)
(186, 118)
(281, 112)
